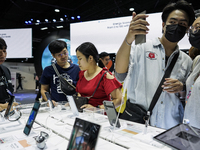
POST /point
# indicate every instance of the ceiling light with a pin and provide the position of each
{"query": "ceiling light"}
(72, 18)
(78, 17)
(29, 22)
(61, 19)
(38, 21)
(65, 15)
(57, 10)
(59, 26)
(131, 9)
(26, 22)
(46, 20)
(43, 28)
(54, 20)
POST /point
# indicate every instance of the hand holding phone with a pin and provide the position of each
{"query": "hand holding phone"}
(140, 38)
(51, 105)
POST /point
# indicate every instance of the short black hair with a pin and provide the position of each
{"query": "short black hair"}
(88, 49)
(3, 44)
(57, 46)
(103, 54)
(180, 5)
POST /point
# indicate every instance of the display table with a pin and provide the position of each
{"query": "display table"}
(58, 124)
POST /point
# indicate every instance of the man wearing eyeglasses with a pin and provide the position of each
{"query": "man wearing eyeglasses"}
(49, 79)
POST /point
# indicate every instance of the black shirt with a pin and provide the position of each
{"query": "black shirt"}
(3, 93)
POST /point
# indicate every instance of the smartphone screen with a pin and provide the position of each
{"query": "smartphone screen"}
(49, 98)
(140, 38)
(31, 118)
(111, 113)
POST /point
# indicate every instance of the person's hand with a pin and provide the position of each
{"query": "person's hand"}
(67, 104)
(54, 103)
(15, 104)
(137, 27)
(86, 106)
(172, 85)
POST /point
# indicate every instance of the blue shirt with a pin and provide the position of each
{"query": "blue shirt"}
(49, 77)
(146, 69)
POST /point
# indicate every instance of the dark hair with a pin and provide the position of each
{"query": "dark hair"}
(180, 5)
(103, 54)
(100, 64)
(57, 46)
(2, 44)
(193, 52)
(88, 49)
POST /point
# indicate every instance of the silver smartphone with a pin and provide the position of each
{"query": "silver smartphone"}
(111, 113)
(140, 38)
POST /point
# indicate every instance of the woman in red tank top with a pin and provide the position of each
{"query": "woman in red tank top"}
(89, 76)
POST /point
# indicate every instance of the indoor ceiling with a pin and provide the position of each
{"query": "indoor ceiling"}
(14, 13)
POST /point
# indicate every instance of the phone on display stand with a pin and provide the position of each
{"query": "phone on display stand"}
(111, 113)
(139, 39)
(51, 105)
(8, 110)
(31, 118)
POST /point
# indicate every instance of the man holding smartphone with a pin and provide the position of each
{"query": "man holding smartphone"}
(5, 77)
(145, 64)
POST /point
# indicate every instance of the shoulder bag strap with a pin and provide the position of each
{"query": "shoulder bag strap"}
(97, 85)
(55, 69)
(159, 89)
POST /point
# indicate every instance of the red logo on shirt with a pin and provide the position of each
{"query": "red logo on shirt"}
(151, 55)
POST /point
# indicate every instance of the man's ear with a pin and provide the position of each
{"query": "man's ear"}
(53, 55)
(163, 25)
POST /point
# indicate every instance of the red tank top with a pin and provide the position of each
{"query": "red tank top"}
(106, 86)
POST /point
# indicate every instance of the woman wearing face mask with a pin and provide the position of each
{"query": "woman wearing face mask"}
(192, 111)
(89, 76)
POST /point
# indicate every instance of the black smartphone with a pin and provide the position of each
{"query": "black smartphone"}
(8, 110)
(49, 99)
(140, 38)
(31, 118)
(111, 113)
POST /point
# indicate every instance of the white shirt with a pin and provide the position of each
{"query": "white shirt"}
(146, 69)
(192, 108)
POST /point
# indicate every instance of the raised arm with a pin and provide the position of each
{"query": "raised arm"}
(137, 26)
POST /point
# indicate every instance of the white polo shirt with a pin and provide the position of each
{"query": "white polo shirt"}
(146, 69)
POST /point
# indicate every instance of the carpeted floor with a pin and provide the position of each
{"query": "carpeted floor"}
(25, 96)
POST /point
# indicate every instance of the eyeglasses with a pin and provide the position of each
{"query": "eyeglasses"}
(193, 29)
(65, 53)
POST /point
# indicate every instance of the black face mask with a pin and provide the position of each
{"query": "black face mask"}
(195, 39)
(175, 33)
